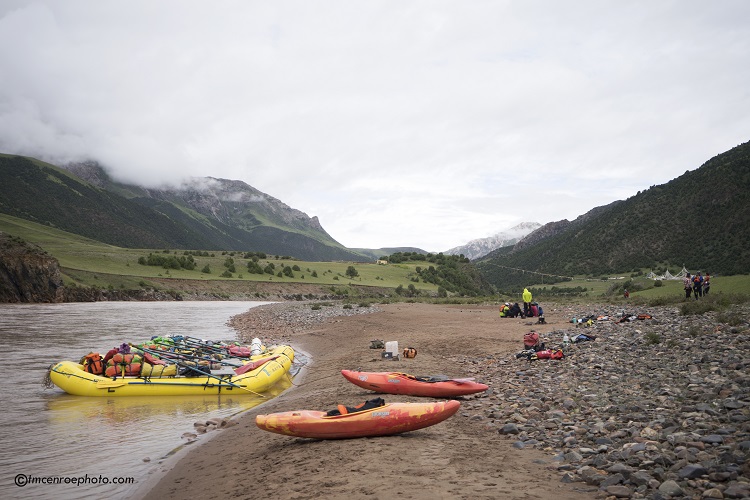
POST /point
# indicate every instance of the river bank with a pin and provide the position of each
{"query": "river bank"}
(649, 409)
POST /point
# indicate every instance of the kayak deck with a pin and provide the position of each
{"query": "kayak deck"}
(410, 385)
(389, 419)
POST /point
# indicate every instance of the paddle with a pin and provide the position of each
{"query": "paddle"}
(233, 362)
(195, 369)
(203, 345)
(181, 342)
(185, 345)
(222, 348)
(110, 384)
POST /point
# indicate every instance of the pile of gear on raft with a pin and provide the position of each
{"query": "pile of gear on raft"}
(162, 356)
(534, 349)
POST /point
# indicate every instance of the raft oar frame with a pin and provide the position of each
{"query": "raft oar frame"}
(195, 369)
(169, 354)
(200, 343)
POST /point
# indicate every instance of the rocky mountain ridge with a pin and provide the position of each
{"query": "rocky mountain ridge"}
(480, 247)
(210, 196)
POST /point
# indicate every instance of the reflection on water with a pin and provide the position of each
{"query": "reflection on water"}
(49, 433)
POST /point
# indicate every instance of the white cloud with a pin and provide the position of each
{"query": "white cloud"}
(421, 124)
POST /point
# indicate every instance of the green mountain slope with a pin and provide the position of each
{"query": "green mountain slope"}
(210, 214)
(700, 219)
(51, 196)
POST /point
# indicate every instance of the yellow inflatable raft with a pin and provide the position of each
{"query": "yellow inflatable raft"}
(73, 379)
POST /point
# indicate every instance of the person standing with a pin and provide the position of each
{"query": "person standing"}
(698, 286)
(688, 284)
(627, 294)
(526, 302)
(706, 284)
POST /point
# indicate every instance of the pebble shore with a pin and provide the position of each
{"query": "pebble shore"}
(656, 408)
(277, 323)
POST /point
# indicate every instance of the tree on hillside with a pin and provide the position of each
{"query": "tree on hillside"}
(351, 272)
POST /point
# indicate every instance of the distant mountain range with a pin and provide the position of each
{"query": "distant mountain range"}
(204, 213)
(700, 219)
(482, 246)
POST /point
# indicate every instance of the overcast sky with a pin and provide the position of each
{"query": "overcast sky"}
(398, 123)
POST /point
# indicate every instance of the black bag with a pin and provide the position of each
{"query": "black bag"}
(344, 410)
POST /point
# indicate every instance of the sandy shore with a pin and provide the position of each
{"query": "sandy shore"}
(459, 458)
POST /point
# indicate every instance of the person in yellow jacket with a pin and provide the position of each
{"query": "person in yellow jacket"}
(526, 302)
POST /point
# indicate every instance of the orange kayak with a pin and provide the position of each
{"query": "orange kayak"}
(392, 418)
(410, 385)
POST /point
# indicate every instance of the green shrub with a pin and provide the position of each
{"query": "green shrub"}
(663, 301)
(696, 307)
(652, 338)
(731, 318)
(693, 331)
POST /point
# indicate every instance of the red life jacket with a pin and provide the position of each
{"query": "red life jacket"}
(530, 340)
(239, 351)
(550, 354)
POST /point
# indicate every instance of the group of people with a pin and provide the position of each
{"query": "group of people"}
(530, 309)
(697, 285)
(509, 310)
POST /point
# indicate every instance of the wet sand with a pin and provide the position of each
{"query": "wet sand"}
(463, 457)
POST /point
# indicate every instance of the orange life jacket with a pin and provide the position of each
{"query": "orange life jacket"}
(124, 365)
(93, 363)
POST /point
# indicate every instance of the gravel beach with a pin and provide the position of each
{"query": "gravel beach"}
(652, 408)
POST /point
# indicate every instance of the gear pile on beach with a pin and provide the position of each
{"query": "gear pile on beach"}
(648, 409)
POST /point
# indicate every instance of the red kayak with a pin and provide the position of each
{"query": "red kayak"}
(385, 420)
(410, 385)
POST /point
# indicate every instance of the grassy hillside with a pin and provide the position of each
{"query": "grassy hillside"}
(51, 196)
(89, 263)
(700, 219)
(77, 253)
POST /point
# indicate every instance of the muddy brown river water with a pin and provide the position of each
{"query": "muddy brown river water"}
(63, 446)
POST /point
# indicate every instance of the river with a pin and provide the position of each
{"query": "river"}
(98, 441)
